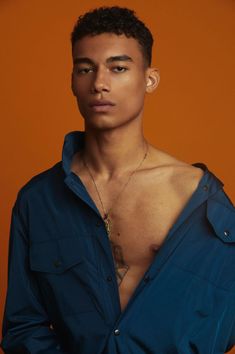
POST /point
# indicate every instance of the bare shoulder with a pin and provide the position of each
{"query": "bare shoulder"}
(180, 176)
(185, 179)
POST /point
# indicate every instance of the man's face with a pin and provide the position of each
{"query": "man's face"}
(109, 67)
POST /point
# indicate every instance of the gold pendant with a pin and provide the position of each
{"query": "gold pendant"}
(107, 222)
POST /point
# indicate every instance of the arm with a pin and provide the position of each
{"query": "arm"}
(26, 326)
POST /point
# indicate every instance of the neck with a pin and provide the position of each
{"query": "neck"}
(112, 153)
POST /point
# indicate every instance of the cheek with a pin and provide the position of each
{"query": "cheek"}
(132, 91)
(79, 87)
(134, 83)
(80, 91)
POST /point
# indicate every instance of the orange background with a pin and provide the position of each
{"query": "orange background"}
(191, 115)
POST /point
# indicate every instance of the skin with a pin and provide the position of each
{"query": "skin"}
(114, 137)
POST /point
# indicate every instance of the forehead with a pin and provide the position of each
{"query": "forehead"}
(105, 45)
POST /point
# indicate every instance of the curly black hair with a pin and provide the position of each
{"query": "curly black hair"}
(118, 20)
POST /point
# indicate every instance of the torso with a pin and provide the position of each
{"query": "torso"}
(143, 215)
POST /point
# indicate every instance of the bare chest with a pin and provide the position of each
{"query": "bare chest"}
(139, 226)
(138, 229)
(140, 220)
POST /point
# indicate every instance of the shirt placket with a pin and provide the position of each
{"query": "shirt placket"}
(108, 285)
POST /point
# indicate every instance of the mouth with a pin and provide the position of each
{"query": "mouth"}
(101, 105)
(102, 108)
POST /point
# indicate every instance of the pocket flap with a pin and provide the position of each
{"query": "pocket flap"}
(55, 256)
(222, 219)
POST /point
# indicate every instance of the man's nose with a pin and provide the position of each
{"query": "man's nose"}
(101, 81)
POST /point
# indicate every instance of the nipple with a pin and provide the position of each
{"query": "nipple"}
(154, 247)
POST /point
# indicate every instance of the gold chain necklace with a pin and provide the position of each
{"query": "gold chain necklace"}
(106, 216)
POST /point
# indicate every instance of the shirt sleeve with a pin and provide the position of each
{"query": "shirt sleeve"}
(26, 326)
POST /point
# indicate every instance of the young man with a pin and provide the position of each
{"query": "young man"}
(119, 248)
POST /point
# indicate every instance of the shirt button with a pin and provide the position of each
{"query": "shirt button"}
(226, 233)
(57, 263)
(116, 332)
(109, 278)
(205, 187)
(146, 278)
(98, 223)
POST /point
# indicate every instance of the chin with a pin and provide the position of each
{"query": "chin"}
(101, 125)
(101, 122)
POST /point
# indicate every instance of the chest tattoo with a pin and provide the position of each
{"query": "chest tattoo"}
(121, 267)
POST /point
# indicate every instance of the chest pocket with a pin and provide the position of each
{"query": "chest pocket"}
(68, 281)
(56, 256)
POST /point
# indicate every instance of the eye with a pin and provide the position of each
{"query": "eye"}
(119, 69)
(83, 70)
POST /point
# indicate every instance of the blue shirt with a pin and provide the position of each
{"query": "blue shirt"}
(62, 292)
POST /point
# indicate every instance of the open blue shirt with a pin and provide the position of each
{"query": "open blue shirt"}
(62, 291)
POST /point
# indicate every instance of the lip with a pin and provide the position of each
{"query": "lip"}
(101, 105)
(102, 108)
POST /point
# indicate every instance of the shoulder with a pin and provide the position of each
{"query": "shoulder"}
(40, 182)
(180, 176)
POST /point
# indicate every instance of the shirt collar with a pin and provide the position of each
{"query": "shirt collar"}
(73, 142)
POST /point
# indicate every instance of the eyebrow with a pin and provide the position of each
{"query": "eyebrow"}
(86, 60)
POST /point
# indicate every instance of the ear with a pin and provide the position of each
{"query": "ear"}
(152, 79)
